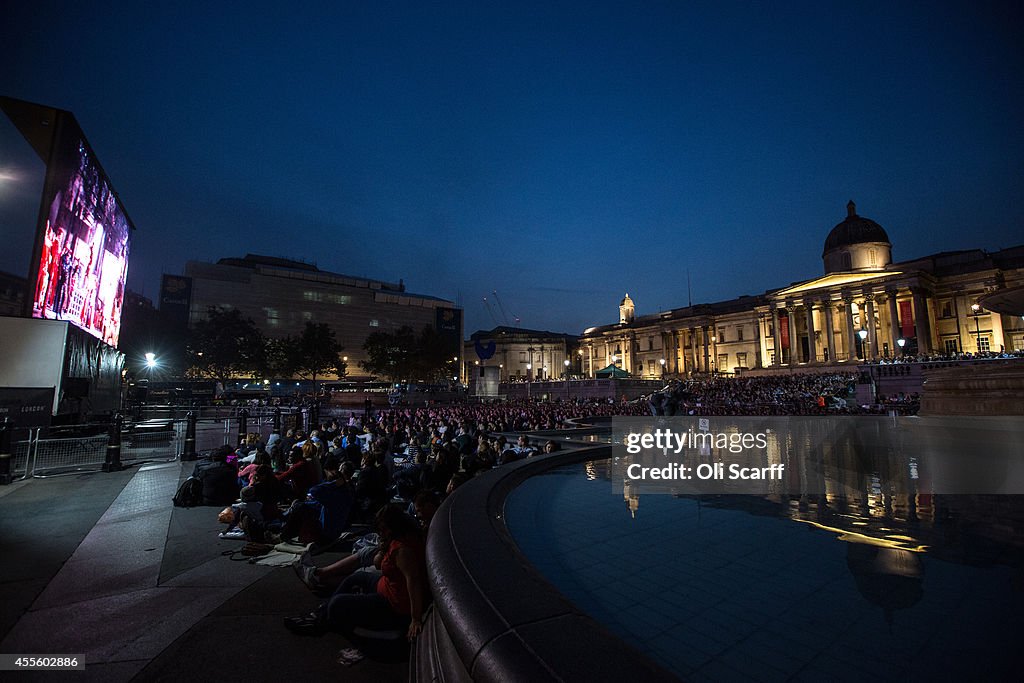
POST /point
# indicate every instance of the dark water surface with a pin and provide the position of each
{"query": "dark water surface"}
(853, 586)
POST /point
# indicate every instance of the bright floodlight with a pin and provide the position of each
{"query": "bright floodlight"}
(150, 360)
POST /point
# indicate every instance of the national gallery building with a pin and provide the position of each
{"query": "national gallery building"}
(864, 308)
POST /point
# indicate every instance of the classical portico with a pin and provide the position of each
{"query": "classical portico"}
(859, 310)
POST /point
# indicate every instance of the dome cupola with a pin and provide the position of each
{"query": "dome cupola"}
(856, 244)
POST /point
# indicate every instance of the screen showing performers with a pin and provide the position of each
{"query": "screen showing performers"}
(84, 261)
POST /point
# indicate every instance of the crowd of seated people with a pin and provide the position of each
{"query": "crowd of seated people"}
(388, 472)
(946, 357)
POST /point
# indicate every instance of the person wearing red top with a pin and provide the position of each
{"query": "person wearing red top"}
(400, 595)
(301, 475)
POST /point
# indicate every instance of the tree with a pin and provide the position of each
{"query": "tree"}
(391, 354)
(434, 357)
(224, 345)
(317, 352)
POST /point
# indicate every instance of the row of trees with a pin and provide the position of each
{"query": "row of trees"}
(404, 355)
(227, 345)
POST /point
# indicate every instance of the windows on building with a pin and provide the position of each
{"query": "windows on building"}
(946, 309)
(741, 359)
(949, 345)
(721, 334)
(723, 362)
(739, 333)
(983, 344)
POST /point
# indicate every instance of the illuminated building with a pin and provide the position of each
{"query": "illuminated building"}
(519, 354)
(859, 311)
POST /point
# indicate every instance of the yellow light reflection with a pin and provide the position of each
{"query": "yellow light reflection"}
(854, 537)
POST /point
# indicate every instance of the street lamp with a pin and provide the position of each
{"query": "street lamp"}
(566, 364)
(902, 343)
(662, 362)
(863, 334)
(151, 360)
(977, 327)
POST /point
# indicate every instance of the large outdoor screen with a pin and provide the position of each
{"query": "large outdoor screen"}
(84, 259)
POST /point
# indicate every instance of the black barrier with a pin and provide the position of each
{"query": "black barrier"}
(314, 417)
(113, 461)
(189, 453)
(298, 419)
(5, 451)
(277, 420)
(243, 418)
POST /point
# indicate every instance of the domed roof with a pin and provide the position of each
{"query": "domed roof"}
(854, 230)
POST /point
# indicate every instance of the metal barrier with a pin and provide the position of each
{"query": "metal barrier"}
(41, 457)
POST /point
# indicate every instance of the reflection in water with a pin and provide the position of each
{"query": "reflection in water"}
(857, 564)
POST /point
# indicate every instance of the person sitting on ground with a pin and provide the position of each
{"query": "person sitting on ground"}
(249, 509)
(299, 476)
(371, 487)
(367, 557)
(247, 475)
(325, 513)
(396, 600)
(270, 492)
(219, 479)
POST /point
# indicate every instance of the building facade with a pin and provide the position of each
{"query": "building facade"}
(864, 308)
(281, 296)
(519, 354)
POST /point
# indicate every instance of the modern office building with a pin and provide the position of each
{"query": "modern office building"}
(282, 295)
(864, 307)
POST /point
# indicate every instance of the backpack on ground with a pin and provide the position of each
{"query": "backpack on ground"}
(189, 494)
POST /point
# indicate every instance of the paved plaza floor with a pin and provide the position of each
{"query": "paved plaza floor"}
(102, 566)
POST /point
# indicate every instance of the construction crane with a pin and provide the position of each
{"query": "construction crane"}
(501, 308)
(490, 312)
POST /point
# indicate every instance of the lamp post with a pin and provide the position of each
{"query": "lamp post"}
(977, 327)
(529, 367)
(902, 344)
(863, 334)
(566, 364)
(662, 362)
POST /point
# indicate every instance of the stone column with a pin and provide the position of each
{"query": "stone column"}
(849, 343)
(759, 361)
(869, 309)
(921, 322)
(894, 319)
(830, 333)
(794, 354)
(997, 340)
(705, 335)
(776, 339)
(812, 346)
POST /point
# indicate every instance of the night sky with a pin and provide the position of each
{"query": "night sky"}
(559, 153)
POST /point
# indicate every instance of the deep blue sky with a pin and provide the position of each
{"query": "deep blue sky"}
(560, 153)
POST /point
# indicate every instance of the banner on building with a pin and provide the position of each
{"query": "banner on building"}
(176, 298)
